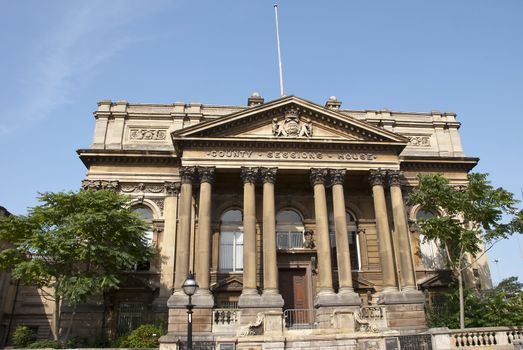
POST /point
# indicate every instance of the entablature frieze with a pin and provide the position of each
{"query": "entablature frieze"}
(353, 158)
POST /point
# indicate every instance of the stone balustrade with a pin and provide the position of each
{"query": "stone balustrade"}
(226, 317)
(495, 338)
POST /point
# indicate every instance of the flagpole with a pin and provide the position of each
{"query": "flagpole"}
(279, 50)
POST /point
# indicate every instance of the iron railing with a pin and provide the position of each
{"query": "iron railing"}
(300, 319)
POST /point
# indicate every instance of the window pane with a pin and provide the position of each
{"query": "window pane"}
(144, 212)
(226, 251)
(283, 240)
(296, 239)
(353, 249)
(288, 216)
(239, 252)
(232, 216)
(424, 214)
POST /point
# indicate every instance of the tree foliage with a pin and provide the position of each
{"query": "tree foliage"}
(473, 215)
(75, 244)
(145, 336)
(502, 306)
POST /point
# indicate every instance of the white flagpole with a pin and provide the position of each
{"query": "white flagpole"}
(279, 50)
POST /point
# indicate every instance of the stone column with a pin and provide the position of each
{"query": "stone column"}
(407, 280)
(325, 294)
(203, 296)
(382, 226)
(271, 295)
(249, 296)
(346, 292)
(183, 243)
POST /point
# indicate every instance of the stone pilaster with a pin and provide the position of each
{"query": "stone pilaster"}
(270, 295)
(203, 296)
(249, 296)
(346, 294)
(325, 294)
(382, 227)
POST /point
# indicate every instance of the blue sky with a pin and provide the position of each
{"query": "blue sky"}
(60, 57)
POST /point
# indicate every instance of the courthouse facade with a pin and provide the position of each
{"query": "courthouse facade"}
(290, 214)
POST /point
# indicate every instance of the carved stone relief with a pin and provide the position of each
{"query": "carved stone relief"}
(420, 141)
(146, 134)
(292, 125)
(100, 185)
(141, 187)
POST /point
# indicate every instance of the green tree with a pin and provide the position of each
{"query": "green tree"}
(474, 215)
(484, 308)
(74, 245)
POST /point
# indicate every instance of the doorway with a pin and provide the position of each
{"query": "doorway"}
(294, 288)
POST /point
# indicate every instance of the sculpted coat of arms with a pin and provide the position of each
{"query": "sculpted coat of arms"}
(292, 125)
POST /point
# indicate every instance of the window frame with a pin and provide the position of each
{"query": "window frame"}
(287, 229)
(352, 227)
(236, 229)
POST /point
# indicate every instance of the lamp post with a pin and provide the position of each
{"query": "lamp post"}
(189, 288)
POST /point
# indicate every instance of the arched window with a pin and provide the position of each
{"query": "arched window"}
(147, 215)
(354, 245)
(431, 252)
(289, 229)
(231, 241)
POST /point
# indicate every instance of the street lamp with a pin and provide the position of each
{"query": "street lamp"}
(189, 288)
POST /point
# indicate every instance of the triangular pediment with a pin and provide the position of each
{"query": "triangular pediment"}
(289, 119)
(361, 283)
(230, 284)
(440, 279)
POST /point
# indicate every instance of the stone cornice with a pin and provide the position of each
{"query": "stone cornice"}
(271, 143)
(438, 163)
(92, 156)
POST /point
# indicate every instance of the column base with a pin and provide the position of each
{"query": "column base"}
(349, 297)
(271, 298)
(203, 298)
(327, 298)
(401, 297)
(249, 299)
(178, 300)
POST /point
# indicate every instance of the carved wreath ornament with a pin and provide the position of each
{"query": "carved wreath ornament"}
(292, 125)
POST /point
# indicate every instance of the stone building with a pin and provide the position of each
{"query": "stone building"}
(291, 214)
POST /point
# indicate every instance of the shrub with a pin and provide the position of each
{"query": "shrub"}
(22, 337)
(145, 336)
(42, 344)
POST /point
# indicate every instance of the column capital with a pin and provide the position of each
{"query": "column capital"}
(319, 176)
(206, 174)
(337, 176)
(268, 175)
(394, 177)
(376, 177)
(171, 188)
(187, 173)
(249, 175)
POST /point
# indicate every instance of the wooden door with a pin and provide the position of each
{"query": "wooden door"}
(294, 287)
